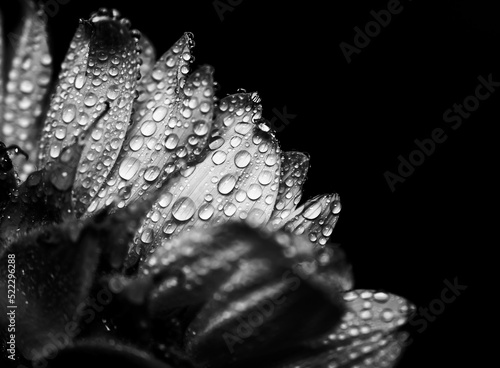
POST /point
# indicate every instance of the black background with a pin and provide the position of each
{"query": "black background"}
(355, 119)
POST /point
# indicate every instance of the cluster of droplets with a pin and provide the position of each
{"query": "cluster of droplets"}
(174, 126)
(239, 179)
(93, 74)
(170, 128)
(371, 320)
(316, 218)
(28, 80)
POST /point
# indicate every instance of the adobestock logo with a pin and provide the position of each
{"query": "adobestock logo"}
(363, 37)
(437, 306)
(453, 118)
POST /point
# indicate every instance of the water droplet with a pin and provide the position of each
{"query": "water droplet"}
(113, 92)
(226, 184)
(169, 228)
(387, 315)
(90, 99)
(365, 314)
(206, 211)
(229, 209)
(183, 209)
(242, 159)
(193, 103)
(265, 177)
(68, 113)
(312, 211)
(151, 173)
(243, 128)
(147, 236)
(55, 150)
(336, 207)
(148, 128)
(219, 157)
(165, 200)
(201, 128)
(240, 195)
(136, 143)
(254, 192)
(80, 80)
(26, 86)
(235, 141)
(205, 107)
(129, 167)
(159, 113)
(171, 141)
(216, 143)
(60, 132)
(271, 159)
(381, 297)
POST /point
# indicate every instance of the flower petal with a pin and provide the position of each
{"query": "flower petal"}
(59, 265)
(101, 66)
(294, 166)
(171, 133)
(45, 197)
(8, 177)
(368, 335)
(233, 274)
(148, 60)
(57, 274)
(316, 218)
(86, 353)
(26, 87)
(237, 180)
(2, 56)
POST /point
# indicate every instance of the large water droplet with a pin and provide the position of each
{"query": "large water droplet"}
(254, 192)
(243, 128)
(229, 209)
(136, 143)
(148, 128)
(219, 157)
(90, 99)
(68, 113)
(80, 80)
(206, 211)
(165, 200)
(242, 159)
(129, 167)
(159, 113)
(265, 177)
(60, 132)
(151, 173)
(226, 184)
(183, 209)
(147, 236)
(171, 141)
(113, 92)
(387, 315)
(312, 211)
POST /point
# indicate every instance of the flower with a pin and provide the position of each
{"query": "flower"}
(150, 223)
